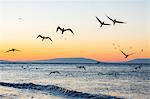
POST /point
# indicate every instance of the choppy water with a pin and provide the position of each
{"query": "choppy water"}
(108, 79)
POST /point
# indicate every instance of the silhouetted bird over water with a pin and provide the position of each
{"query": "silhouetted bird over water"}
(115, 21)
(53, 72)
(139, 67)
(81, 67)
(12, 50)
(63, 30)
(43, 37)
(126, 55)
(102, 23)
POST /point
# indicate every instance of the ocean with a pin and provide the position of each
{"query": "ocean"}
(34, 81)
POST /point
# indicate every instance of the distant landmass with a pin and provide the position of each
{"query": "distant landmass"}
(140, 60)
(55, 61)
(3, 61)
(67, 60)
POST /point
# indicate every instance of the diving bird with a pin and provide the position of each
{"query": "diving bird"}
(12, 50)
(115, 21)
(63, 30)
(81, 67)
(53, 72)
(126, 55)
(102, 23)
(43, 37)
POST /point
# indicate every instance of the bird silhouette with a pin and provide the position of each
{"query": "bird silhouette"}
(102, 23)
(12, 50)
(126, 55)
(115, 21)
(43, 37)
(81, 67)
(53, 72)
(139, 67)
(63, 30)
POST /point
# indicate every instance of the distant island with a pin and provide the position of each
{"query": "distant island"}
(55, 61)
(76, 61)
(140, 60)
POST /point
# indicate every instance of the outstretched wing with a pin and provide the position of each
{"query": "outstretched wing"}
(8, 51)
(123, 53)
(69, 30)
(58, 28)
(110, 18)
(50, 73)
(106, 24)
(16, 50)
(57, 72)
(39, 36)
(130, 54)
(48, 38)
(99, 20)
(120, 22)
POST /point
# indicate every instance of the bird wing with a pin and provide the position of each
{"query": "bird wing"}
(69, 30)
(16, 50)
(58, 72)
(99, 20)
(120, 22)
(39, 36)
(8, 51)
(110, 18)
(130, 54)
(48, 38)
(58, 28)
(106, 24)
(123, 53)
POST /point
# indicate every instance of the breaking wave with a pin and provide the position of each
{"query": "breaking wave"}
(58, 91)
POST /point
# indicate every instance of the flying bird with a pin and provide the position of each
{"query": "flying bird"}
(139, 67)
(115, 21)
(12, 50)
(63, 30)
(126, 55)
(81, 67)
(102, 23)
(43, 37)
(53, 72)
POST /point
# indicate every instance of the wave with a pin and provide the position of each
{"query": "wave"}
(58, 91)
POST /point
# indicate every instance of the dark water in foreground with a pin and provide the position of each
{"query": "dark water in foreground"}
(98, 79)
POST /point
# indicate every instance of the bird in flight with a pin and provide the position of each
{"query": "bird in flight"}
(53, 72)
(63, 30)
(126, 55)
(12, 50)
(115, 21)
(81, 67)
(102, 23)
(43, 37)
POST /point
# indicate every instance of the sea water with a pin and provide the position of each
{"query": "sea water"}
(109, 79)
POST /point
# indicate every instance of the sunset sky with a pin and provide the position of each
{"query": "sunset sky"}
(90, 41)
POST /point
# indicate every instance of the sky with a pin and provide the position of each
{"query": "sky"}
(89, 40)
